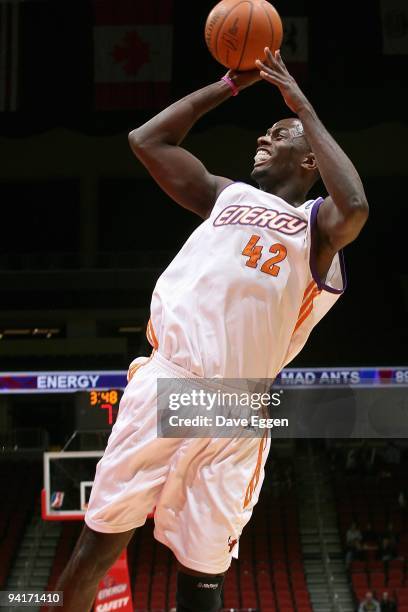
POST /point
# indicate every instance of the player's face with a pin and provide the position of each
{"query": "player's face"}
(279, 153)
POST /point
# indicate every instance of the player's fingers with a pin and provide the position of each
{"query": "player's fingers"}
(273, 74)
(269, 56)
(265, 67)
(269, 59)
(275, 61)
(279, 59)
(271, 78)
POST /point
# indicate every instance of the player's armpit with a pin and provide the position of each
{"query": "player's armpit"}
(338, 227)
(181, 175)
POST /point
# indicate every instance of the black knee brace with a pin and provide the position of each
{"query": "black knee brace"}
(199, 593)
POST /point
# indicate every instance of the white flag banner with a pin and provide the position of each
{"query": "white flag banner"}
(295, 46)
(132, 54)
(394, 16)
(133, 43)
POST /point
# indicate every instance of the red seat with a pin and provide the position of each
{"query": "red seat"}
(402, 595)
(359, 580)
(358, 566)
(249, 601)
(377, 580)
(395, 573)
(302, 597)
(375, 566)
(283, 601)
(396, 564)
(394, 583)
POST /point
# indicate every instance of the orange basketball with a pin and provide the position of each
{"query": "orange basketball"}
(237, 31)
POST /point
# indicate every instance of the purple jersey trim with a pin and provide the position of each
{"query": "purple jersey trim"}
(312, 260)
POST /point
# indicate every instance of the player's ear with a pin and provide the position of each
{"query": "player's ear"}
(309, 161)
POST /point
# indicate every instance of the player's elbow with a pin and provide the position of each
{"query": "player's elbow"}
(136, 140)
(142, 144)
(359, 205)
(357, 215)
(350, 224)
(359, 210)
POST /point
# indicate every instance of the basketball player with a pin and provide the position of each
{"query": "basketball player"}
(238, 301)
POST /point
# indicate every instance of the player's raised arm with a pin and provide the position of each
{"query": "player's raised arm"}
(157, 145)
(342, 214)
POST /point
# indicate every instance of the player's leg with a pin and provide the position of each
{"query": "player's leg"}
(204, 505)
(93, 555)
(198, 592)
(127, 483)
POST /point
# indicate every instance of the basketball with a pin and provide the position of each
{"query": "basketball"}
(237, 32)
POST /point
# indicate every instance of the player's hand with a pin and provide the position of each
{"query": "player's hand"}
(273, 70)
(244, 79)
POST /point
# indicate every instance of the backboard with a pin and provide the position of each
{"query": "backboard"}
(68, 480)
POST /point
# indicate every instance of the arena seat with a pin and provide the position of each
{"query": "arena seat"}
(375, 566)
(359, 501)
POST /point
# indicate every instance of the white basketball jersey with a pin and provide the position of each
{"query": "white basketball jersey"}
(242, 296)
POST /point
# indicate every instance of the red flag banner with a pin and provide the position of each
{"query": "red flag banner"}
(132, 54)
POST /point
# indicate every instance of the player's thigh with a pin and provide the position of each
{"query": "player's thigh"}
(134, 467)
(201, 513)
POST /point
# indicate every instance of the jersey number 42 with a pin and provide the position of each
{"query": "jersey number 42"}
(254, 253)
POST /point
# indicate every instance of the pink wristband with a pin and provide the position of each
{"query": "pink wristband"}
(231, 85)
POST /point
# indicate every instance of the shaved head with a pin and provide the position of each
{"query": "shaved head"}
(295, 130)
(284, 157)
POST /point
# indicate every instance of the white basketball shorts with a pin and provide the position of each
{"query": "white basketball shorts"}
(203, 490)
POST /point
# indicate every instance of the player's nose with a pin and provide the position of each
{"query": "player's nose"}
(264, 140)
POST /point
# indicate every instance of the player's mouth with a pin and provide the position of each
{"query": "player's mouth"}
(262, 155)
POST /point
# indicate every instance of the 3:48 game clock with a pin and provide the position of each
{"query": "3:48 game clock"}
(106, 400)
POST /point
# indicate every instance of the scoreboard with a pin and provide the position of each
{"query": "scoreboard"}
(348, 377)
(114, 382)
(344, 402)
